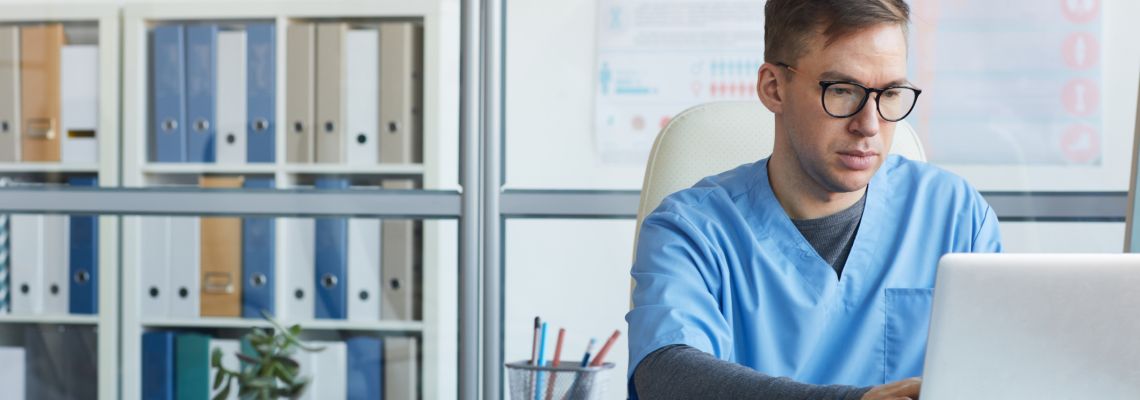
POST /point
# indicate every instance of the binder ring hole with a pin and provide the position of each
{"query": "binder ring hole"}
(201, 125)
(182, 292)
(258, 280)
(328, 281)
(360, 138)
(24, 288)
(363, 295)
(393, 126)
(82, 276)
(394, 284)
(298, 127)
(230, 138)
(260, 125)
(153, 292)
(169, 125)
(299, 294)
(4, 126)
(54, 289)
(329, 126)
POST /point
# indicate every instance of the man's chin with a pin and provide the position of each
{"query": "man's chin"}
(851, 181)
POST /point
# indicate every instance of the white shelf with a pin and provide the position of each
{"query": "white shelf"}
(439, 151)
(105, 16)
(198, 168)
(50, 319)
(339, 169)
(41, 167)
(312, 325)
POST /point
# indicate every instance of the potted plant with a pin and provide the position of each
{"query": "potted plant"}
(268, 370)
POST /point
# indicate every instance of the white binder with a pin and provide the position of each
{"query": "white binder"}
(400, 366)
(329, 370)
(363, 269)
(362, 96)
(305, 361)
(13, 375)
(229, 348)
(79, 103)
(299, 268)
(26, 270)
(154, 266)
(230, 141)
(55, 263)
(184, 263)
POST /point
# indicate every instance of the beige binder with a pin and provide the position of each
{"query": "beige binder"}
(398, 254)
(401, 88)
(221, 257)
(329, 132)
(9, 94)
(300, 68)
(39, 91)
(401, 360)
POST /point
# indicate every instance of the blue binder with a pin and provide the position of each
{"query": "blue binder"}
(168, 89)
(158, 365)
(201, 70)
(83, 248)
(331, 264)
(257, 259)
(261, 92)
(365, 368)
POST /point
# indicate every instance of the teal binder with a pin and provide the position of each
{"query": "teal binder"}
(192, 367)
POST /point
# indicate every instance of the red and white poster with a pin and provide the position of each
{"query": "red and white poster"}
(1016, 85)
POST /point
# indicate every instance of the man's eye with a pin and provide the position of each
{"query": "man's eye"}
(892, 93)
(840, 91)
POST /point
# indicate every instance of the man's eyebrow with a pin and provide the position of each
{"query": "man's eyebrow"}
(839, 76)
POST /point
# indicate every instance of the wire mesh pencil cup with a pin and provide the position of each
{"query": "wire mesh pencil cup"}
(568, 381)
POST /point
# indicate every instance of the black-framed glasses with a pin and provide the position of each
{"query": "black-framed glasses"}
(842, 99)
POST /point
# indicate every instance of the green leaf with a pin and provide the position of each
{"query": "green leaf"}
(216, 358)
(295, 330)
(261, 382)
(224, 393)
(248, 359)
(219, 377)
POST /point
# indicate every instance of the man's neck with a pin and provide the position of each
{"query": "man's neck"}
(799, 194)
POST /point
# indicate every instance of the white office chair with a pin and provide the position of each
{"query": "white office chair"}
(715, 137)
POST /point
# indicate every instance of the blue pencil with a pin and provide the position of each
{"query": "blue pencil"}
(541, 363)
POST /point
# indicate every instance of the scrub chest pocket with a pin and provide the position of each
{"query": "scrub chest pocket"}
(904, 339)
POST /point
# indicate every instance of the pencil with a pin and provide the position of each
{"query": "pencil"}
(605, 349)
(534, 347)
(589, 348)
(534, 352)
(541, 362)
(554, 363)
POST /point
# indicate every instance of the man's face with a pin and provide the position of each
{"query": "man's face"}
(842, 154)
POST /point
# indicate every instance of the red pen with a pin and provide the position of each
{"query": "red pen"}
(554, 363)
(601, 357)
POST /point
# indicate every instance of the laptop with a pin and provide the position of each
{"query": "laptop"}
(1034, 326)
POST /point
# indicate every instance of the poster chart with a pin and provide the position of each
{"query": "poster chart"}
(1011, 95)
(657, 58)
(1013, 85)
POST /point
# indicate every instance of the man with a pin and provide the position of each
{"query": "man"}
(806, 275)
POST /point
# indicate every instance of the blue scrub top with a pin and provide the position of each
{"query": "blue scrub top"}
(720, 267)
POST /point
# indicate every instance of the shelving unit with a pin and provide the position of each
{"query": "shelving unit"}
(438, 170)
(104, 18)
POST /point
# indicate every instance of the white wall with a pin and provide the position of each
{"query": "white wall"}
(573, 274)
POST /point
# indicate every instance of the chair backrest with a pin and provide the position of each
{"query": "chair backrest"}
(715, 137)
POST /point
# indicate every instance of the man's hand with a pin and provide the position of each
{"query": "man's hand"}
(904, 389)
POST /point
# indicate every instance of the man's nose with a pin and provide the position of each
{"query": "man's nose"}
(866, 121)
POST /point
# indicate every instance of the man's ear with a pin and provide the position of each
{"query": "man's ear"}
(770, 87)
